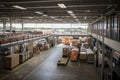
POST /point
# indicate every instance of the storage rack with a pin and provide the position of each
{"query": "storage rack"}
(20, 39)
(11, 40)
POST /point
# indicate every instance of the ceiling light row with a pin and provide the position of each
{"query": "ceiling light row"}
(72, 14)
(52, 17)
(61, 5)
(19, 7)
(55, 18)
(38, 12)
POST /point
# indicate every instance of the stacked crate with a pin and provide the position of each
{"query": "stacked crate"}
(74, 43)
(11, 61)
(67, 40)
(74, 54)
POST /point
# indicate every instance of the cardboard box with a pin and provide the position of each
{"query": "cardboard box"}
(11, 61)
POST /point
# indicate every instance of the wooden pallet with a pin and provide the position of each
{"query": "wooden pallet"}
(63, 61)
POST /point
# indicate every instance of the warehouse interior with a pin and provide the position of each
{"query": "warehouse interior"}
(59, 40)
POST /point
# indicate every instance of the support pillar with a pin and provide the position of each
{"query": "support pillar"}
(10, 25)
(4, 25)
(103, 55)
(22, 24)
(11, 48)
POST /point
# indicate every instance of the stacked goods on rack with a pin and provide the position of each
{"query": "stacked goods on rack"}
(17, 36)
(36, 50)
(5, 51)
(11, 61)
(22, 57)
(26, 36)
(17, 49)
(30, 47)
(25, 56)
(74, 54)
(67, 40)
(43, 44)
(11, 37)
(3, 39)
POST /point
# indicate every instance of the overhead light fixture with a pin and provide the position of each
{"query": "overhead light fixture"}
(30, 17)
(38, 12)
(70, 12)
(77, 19)
(19, 7)
(26, 20)
(56, 19)
(87, 10)
(45, 15)
(35, 20)
(74, 16)
(52, 17)
(62, 5)
(39, 19)
(85, 17)
(60, 20)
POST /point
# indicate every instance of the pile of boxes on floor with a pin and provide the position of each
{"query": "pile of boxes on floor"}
(22, 52)
(69, 53)
(77, 49)
(86, 54)
(65, 56)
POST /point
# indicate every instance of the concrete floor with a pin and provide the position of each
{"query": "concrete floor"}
(49, 70)
(44, 67)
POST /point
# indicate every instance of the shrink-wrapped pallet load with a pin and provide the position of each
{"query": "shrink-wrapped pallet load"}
(74, 54)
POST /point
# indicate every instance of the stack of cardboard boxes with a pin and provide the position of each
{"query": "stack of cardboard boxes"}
(74, 54)
(36, 50)
(11, 61)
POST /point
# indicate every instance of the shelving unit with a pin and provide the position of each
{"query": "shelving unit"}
(13, 39)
